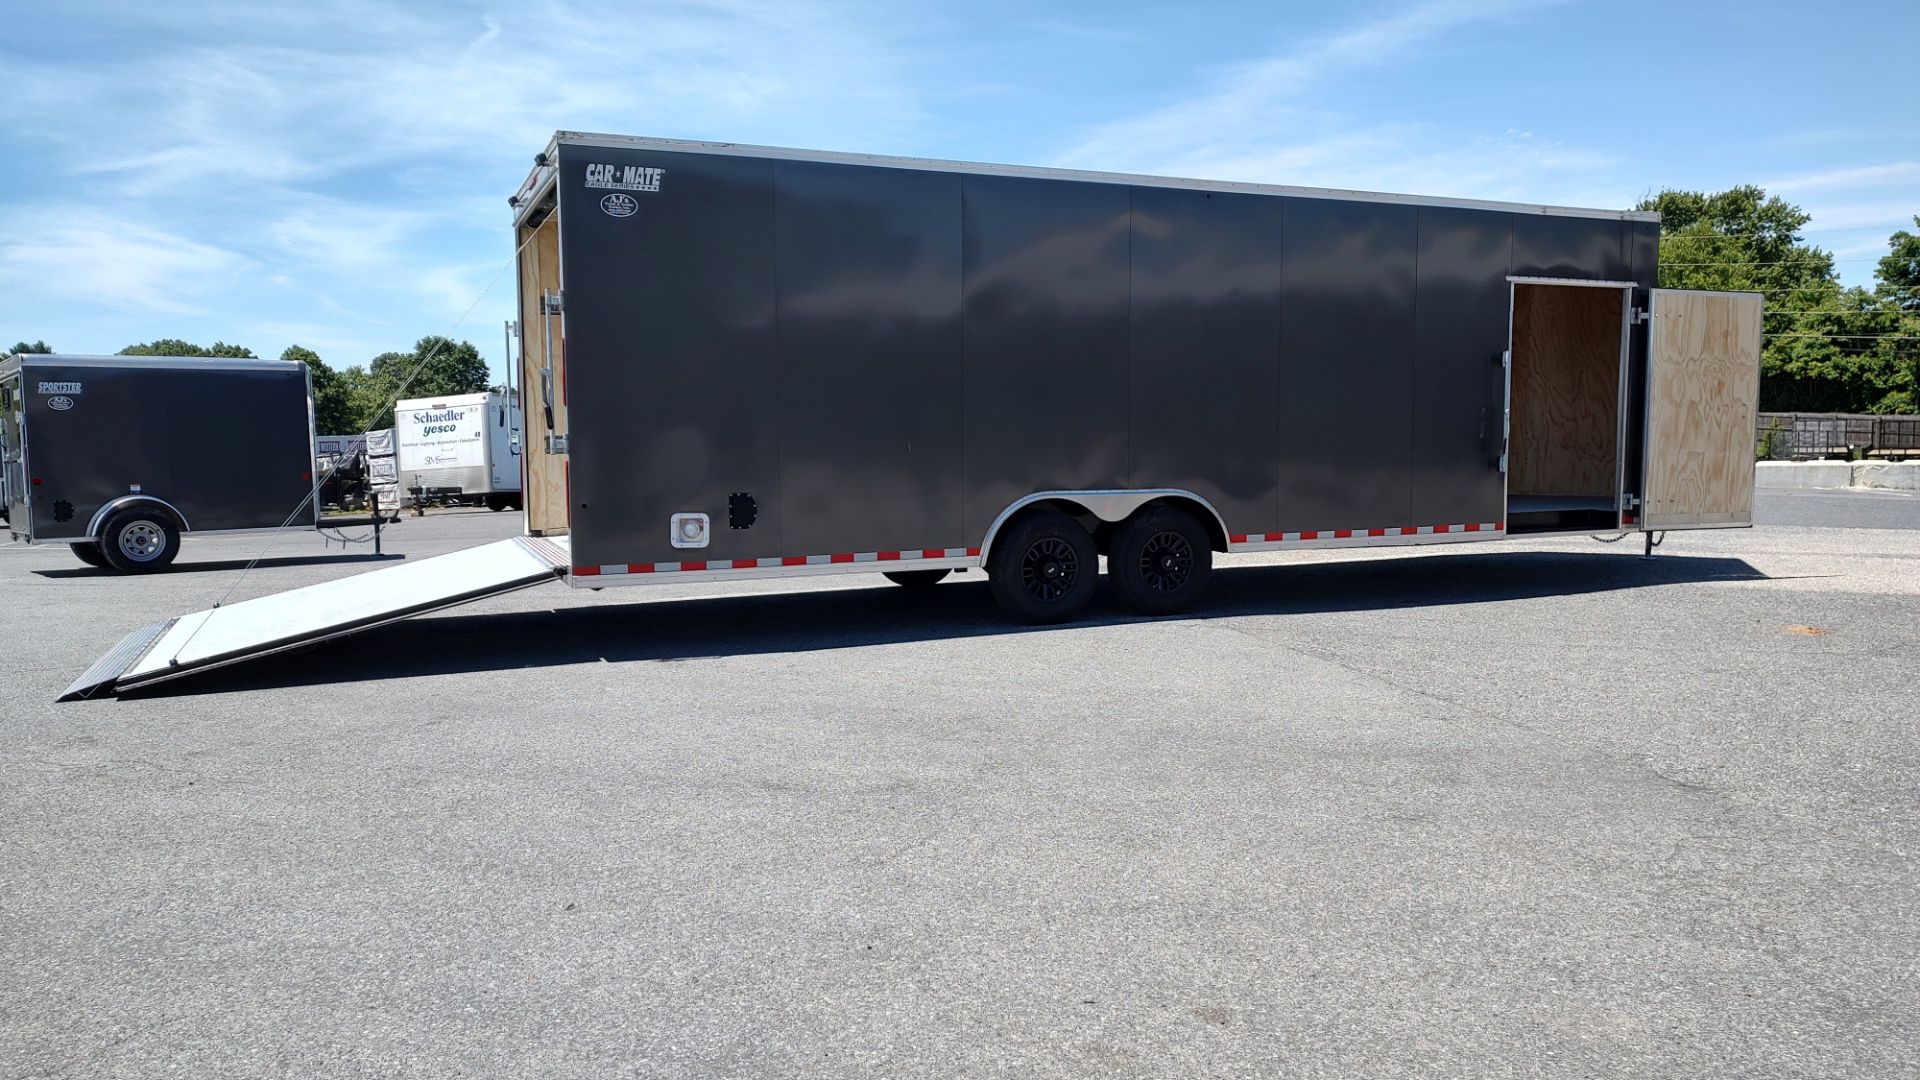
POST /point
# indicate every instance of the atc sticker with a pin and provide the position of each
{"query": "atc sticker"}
(618, 205)
(60, 404)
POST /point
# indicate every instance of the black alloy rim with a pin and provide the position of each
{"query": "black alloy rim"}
(1049, 569)
(1166, 562)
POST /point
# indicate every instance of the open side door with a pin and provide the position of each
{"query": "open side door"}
(269, 624)
(543, 379)
(1703, 397)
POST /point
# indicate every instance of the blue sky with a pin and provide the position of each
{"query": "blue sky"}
(336, 174)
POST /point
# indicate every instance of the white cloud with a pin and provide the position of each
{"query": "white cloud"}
(337, 236)
(1896, 172)
(1839, 217)
(1265, 121)
(250, 171)
(292, 99)
(78, 254)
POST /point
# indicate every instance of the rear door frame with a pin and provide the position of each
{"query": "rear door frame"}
(1620, 494)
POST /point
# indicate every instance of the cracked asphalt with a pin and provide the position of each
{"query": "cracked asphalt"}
(1512, 809)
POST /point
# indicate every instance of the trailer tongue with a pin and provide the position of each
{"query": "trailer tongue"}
(271, 624)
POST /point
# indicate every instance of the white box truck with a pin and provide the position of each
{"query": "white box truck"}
(461, 449)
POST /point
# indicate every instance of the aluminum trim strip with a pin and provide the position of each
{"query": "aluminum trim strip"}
(115, 663)
(1522, 279)
(692, 146)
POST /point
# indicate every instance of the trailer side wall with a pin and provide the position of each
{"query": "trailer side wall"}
(229, 448)
(886, 358)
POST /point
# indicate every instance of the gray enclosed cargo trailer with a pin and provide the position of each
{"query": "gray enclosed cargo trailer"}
(119, 456)
(747, 362)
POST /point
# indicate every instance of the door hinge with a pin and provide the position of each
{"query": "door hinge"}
(556, 444)
(1641, 315)
(552, 303)
(1629, 501)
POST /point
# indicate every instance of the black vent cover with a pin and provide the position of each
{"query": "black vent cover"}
(742, 511)
(62, 510)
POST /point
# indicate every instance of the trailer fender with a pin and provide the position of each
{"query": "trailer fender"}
(1112, 506)
(101, 515)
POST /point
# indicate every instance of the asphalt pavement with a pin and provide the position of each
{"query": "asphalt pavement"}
(1510, 809)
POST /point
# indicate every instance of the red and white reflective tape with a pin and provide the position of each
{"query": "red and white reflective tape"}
(908, 556)
(1388, 534)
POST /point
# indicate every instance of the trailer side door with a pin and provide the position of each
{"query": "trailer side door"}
(13, 469)
(543, 378)
(1703, 394)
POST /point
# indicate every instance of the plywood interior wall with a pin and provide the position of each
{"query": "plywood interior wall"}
(1703, 393)
(546, 479)
(1566, 390)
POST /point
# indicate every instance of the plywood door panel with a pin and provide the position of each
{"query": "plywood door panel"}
(1566, 391)
(1703, 392)
(546, 474)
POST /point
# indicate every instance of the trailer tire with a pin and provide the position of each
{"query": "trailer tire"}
(1160, 560)
(140, 540)
(916, 579)
(88, 551)
(1044, 568)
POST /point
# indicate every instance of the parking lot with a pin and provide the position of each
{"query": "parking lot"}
(1529, 808)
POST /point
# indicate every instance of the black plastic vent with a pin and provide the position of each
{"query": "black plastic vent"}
(742, 511)
(62, 510)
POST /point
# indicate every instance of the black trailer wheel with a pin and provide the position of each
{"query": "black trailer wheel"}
(496, 503)
(89, 553)
(916, 579)
(1160, 561)
(1044, 568)
(139, 540)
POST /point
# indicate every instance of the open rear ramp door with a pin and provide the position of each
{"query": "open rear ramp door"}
(1703, 397)
(271, 624)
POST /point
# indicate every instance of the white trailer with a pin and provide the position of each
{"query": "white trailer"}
(463, 448)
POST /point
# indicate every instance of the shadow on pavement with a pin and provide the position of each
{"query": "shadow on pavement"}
(763, 623)
(224, 564)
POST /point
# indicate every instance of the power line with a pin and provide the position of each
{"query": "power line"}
(1846, 337)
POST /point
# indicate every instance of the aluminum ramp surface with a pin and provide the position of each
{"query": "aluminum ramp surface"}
(288, 620)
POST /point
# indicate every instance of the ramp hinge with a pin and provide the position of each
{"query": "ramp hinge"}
(556, 444)
(552, 303)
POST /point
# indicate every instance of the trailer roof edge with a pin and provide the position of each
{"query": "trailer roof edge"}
(694, 146)
(89, 360)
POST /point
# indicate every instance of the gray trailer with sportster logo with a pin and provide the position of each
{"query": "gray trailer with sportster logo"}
(122, 456)
(749, 362)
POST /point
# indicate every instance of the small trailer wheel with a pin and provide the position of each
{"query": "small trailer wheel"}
(916, 579)
(1160, 561)
(139, 540)
(1043, 568)
(88, 552)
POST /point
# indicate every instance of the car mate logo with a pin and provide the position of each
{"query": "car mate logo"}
(618, 205)
(624, 177)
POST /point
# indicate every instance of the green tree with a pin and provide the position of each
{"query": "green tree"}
(333, 405)
(177, 347)
(1826, 348)
(1899, 271)
(20, 347)
(436, 366)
